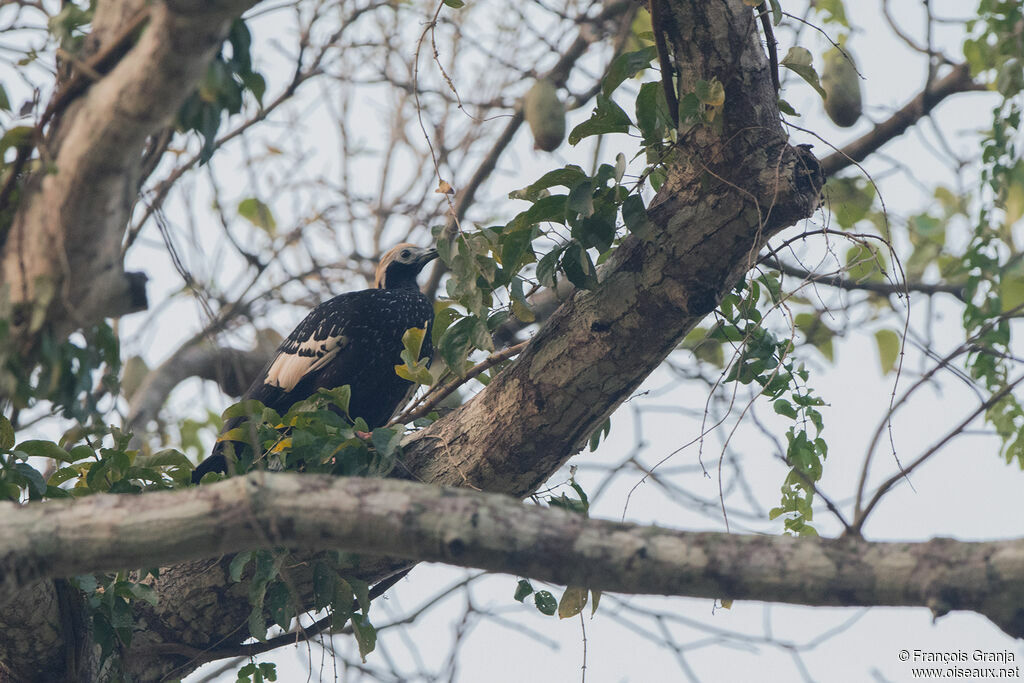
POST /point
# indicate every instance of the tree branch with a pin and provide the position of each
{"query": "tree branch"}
(496, 533)
(865, 285)
(66, 236)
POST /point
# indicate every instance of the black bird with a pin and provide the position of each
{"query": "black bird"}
(354, 339)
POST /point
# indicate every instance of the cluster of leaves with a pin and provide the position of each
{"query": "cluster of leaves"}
(763, 359)
(274, 601)
(222, 90)
(574, 598)
(993, 261)
(83, 466)
(109, 599)
(315, 435)
(583, 223)
(73, 374)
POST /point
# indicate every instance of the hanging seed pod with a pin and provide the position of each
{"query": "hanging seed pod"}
(546, 115)
(841, 84)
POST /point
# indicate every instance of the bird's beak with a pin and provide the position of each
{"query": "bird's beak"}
(427, 256)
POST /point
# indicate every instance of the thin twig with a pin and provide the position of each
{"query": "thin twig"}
(438, 395)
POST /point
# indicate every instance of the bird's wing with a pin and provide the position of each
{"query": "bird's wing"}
(301, 354)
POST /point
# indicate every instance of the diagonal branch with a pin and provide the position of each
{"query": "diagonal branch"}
(66, 235)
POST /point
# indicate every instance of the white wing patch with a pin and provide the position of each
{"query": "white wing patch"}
(289, 367)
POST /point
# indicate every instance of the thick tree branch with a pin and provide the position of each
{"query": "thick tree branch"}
(728, 192)
(730, 187)
(487, 531)
(66, 236)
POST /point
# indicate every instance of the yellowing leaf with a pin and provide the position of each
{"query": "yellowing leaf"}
(236, 434)
(888, 349)
(258, 213)
(574, 599)
(1011, 287)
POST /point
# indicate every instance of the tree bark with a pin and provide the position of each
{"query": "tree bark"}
(63, 250)
(498, 533)
(731, 186)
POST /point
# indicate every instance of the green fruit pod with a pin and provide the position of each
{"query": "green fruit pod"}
(546, 115)
(841, 84)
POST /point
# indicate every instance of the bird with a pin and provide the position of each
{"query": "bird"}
(354, 338)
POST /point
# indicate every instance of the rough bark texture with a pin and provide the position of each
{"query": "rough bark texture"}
(494, 532)
(728, 192)
(730, 187)
(66, 236)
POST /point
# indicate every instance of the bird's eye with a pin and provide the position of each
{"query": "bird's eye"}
(405, 253)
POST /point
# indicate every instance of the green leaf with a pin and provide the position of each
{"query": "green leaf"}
(711, 93)
(545, 602)
(523, 589)
(454, 4)
(784, 407)
(237, 565)
(5, 103)
(850, 199)
(652, 116)
(18, 136)
(608, 117)
(627, 65)
(514, 249)
(550, 208)
(547, 268)
(362, 629)
(602, 431)
(888, 349)
(865, 262)
(6, 434)
(280, 605)
(799, 61)
(581, 199)
(39, 448)
(578, 266)
(634, 215)
(35, 481)
(412, 342)
(595, 598)
(259, 214)
(567, 177)
(386, 440)
(248, 409)
(168, 457)
(1011, 287)
(325, 585)
(455, 344)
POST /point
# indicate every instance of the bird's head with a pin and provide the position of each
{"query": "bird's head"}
(400, 266)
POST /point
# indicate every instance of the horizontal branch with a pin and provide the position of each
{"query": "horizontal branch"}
(852, 285)
(497, 533)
